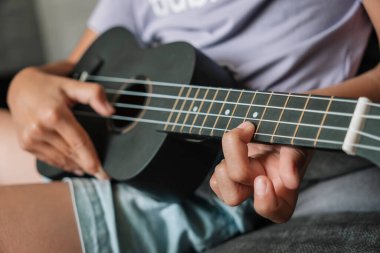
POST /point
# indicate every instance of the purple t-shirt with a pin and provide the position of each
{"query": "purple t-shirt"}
(281, 45)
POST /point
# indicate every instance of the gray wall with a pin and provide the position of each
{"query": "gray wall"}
(61, 24)
(20, 42)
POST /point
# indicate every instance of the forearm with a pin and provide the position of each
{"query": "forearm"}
(62, 68)
(365, 85)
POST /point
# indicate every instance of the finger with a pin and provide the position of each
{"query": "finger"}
(215, 187)
(83, 151)
(236, 153)
(48, 144)
(268, 205)
(55, 140)
(58, 143)
(231, 193)
(47, 153)
(89, 94)
(291, 162)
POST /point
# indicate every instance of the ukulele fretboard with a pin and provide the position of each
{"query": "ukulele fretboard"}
(280, 118)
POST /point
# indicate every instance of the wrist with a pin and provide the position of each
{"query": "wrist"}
(374, 74)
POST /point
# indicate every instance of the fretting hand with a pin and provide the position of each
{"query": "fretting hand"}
(269, 173)
(40, 105)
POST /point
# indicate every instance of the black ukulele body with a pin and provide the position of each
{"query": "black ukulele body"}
(136, 152)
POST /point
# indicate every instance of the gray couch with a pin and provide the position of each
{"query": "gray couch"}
(33, 32)
(343, 232)
(20, 42)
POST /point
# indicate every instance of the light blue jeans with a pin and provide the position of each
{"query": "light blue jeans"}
(114, 217)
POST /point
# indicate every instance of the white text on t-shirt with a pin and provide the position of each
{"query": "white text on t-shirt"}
(166, 7)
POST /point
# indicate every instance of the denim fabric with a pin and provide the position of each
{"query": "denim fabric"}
(114, 217)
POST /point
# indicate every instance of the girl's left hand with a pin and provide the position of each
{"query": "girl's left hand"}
(269, 173)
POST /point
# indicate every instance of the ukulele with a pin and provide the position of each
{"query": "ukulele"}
(165, 134)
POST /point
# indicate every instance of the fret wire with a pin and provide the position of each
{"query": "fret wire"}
(208, 111)
(173, 108)
(221, 109)
(262, 116)
(233, 113)
(181, 109)
(279, 120)
(300, 119)
(191, 106)
(323, 121)
(200, 109)
(250, 106)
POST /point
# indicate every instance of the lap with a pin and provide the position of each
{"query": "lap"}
(115, 217)
(126, 219)
(122, 218)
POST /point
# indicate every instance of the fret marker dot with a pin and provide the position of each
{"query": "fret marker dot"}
(227, 112)
(255, 114)
(195, 109)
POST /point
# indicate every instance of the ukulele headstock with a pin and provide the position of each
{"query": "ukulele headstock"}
(369, 142)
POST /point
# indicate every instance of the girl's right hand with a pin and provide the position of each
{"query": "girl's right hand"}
(40, 104)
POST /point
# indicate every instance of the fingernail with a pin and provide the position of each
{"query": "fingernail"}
(110, 108)
(260, 186)
(101, 175)
(213, 182)
(244, 125)
(78, 173)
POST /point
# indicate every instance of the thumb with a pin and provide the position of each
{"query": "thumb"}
(89, 94)
(269, 205)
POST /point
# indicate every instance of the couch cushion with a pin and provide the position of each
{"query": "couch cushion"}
(344, 232)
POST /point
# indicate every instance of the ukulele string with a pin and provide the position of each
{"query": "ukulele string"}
(159, 122)
(164, 96)
(95, 78)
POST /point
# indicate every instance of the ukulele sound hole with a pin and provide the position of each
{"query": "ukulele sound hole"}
(129, 106)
